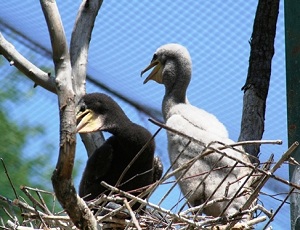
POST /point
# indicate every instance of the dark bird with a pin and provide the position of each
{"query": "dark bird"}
(98, 111)
(173, 68)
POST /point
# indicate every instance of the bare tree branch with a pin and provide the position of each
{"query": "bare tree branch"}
(79, 47)
(62, 182)
(259, 72)
(80, 42)
(30, 70)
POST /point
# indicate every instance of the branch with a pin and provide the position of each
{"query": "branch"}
(62, 182)
(30, 70)
(80, 42)
(79, 47)
(259, 72)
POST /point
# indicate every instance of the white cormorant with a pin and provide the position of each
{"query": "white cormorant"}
(173, 68)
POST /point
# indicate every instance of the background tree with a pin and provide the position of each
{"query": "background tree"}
(14, 136)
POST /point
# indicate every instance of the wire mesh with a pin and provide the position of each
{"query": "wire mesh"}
(217, 36)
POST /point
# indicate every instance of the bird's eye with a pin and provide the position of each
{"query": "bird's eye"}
(82, 108)
(154, 57)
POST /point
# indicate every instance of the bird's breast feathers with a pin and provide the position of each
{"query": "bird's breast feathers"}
(191, 119)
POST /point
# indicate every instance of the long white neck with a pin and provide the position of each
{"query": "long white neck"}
(176, 78)
(171, 99)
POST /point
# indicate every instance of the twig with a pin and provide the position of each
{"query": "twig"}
(147, 203)
(9, 179)
(265, 178)
(277, 210)
(29, 69)
(17, 227)
(273, 142)
(33, 200)
(135, 157)
(134, 220)
(26, 207)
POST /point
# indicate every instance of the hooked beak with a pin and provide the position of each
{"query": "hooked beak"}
(156, 73)
(88, 121)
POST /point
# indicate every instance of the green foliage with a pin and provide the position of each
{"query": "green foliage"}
(23, 169)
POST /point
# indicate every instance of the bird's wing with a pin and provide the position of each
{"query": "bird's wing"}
(201, 132)
(99, 163)
(197, 118)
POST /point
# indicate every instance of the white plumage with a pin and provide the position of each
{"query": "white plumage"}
(173, 67)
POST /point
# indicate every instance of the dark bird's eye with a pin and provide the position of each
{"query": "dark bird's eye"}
(154, 57)
(82, 108)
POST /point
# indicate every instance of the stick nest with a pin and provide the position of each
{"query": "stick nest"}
(36, 214)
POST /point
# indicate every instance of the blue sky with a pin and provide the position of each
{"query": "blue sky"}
(125, 36)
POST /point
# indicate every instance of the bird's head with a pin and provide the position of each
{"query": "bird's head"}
(170, 62)
(96, 111)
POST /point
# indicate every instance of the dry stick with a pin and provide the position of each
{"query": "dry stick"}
(209, 203)
(213, 221)
(181, 217)
(9, 179)
(177, 180)
(236, 144)
(169, 169)
(285, 156)
(43, 206)
(147, 203)
(274, 196)
(202, 181)
(191, 163)
(112, 213)
(237, 192)
(26, 207)
(213, 193)
(47, 217)
(242, 225)
(17, 227)
(278, 164)
(8, 214)
(221, 148)
(280, 206)
(136, 156)
(253, 196)
(34, 201)
(10, 203)
(263, 209)
(274, 142)
(43, 203)
(133, 160)
(57, 219)
(39, 190)
(134, 220)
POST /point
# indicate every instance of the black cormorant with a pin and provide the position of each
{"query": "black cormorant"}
(97, 111)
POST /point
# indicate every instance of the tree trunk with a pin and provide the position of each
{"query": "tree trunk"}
(259, 72)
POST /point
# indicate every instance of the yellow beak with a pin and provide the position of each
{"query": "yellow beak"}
(156, 73)
(88, 121)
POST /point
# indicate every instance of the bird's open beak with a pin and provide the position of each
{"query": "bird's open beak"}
(156, 73)
(88, 121)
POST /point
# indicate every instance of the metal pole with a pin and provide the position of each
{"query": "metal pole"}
(292, 44)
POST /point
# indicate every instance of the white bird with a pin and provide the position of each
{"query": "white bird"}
(173, 68)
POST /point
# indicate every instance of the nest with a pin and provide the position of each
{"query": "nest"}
(37, 215)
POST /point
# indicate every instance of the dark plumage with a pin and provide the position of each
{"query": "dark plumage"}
(98, 111)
